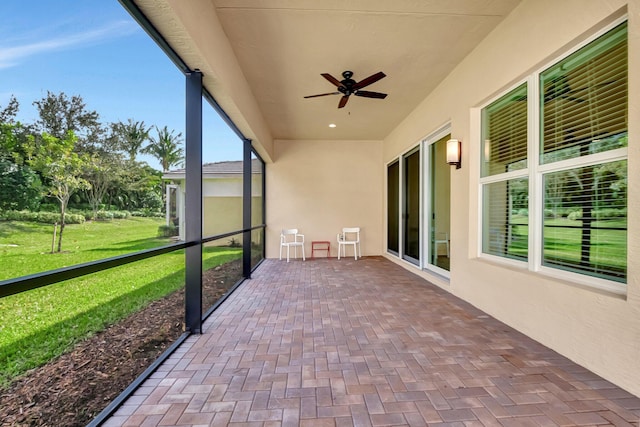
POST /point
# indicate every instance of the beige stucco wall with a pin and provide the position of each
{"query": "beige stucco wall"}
(320, 187)
(222, 205)
(599, 330)
(221, 215)
(224, 214)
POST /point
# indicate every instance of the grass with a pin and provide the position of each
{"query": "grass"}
(25, 248)
(41, 324)
(608, 248)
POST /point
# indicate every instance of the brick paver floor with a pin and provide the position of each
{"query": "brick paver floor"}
(365, 343)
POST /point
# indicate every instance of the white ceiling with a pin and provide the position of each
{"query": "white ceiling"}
(282, 46)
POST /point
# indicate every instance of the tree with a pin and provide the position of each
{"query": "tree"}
(59, 114)
(138, 186)
(16, 142)
(129, 137)
(99, 172)
(8, 113)
(62, 167)
(166, 148)
(20, 186)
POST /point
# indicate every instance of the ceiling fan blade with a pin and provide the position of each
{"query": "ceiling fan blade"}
(368, 94)
(343, 101)
(332, 79)
(371, 79)
(322, 94)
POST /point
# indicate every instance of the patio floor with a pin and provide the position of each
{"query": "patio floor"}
(365, 343)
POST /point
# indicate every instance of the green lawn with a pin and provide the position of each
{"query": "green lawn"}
(38, 325)
(563, 242)
(608, 248)
(25, 247)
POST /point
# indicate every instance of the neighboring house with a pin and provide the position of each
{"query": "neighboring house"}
(222, 198)
(542, 216)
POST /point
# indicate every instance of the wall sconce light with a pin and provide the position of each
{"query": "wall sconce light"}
(454, 152)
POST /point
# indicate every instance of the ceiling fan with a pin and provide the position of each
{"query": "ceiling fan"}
(348, 87)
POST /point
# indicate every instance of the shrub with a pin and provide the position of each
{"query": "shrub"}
(151, 200)
(42, 217)
(88, 215)
(609, 213)
(575, 215)
(104, 215)
(121, 214)
(147, 213)
(167, 231)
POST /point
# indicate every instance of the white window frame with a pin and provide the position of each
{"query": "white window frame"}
(535, 172)
(505, 176)
(426, 144)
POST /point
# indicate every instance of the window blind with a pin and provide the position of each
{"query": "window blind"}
(584, 100)
(505, 133)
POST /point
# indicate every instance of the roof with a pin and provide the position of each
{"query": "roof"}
(217, 169)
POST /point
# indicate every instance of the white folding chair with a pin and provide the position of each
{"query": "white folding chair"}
(350, 236)
(441, 238)
(291, 238)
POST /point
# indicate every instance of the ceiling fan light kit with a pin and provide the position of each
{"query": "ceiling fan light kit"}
(348, 87)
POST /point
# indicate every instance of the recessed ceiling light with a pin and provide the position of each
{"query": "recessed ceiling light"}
(332, 125)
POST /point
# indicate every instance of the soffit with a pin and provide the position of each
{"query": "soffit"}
(282, 46)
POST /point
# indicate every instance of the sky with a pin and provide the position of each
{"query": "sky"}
(93, 48)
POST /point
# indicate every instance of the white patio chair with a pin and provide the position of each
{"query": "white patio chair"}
(350, 236)
(441, 238)
(291, 238)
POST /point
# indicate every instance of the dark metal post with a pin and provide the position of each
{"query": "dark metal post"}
(193, 211)
(246, 209)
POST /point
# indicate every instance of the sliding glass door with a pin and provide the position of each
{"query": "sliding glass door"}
(411, 206)
(439, 201)
(418, 205)
(393, 208)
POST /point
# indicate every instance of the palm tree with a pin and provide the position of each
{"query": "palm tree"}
(166, 148)
(130, 136)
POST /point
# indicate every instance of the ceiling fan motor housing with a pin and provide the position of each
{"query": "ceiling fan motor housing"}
(347, 83)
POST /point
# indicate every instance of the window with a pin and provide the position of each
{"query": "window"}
(505, 214)
(505, 133)
(575, 185)
(584, 100)
(585, 222)
(504, 166)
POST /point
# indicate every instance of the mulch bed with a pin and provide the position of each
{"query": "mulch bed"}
(73, 389)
